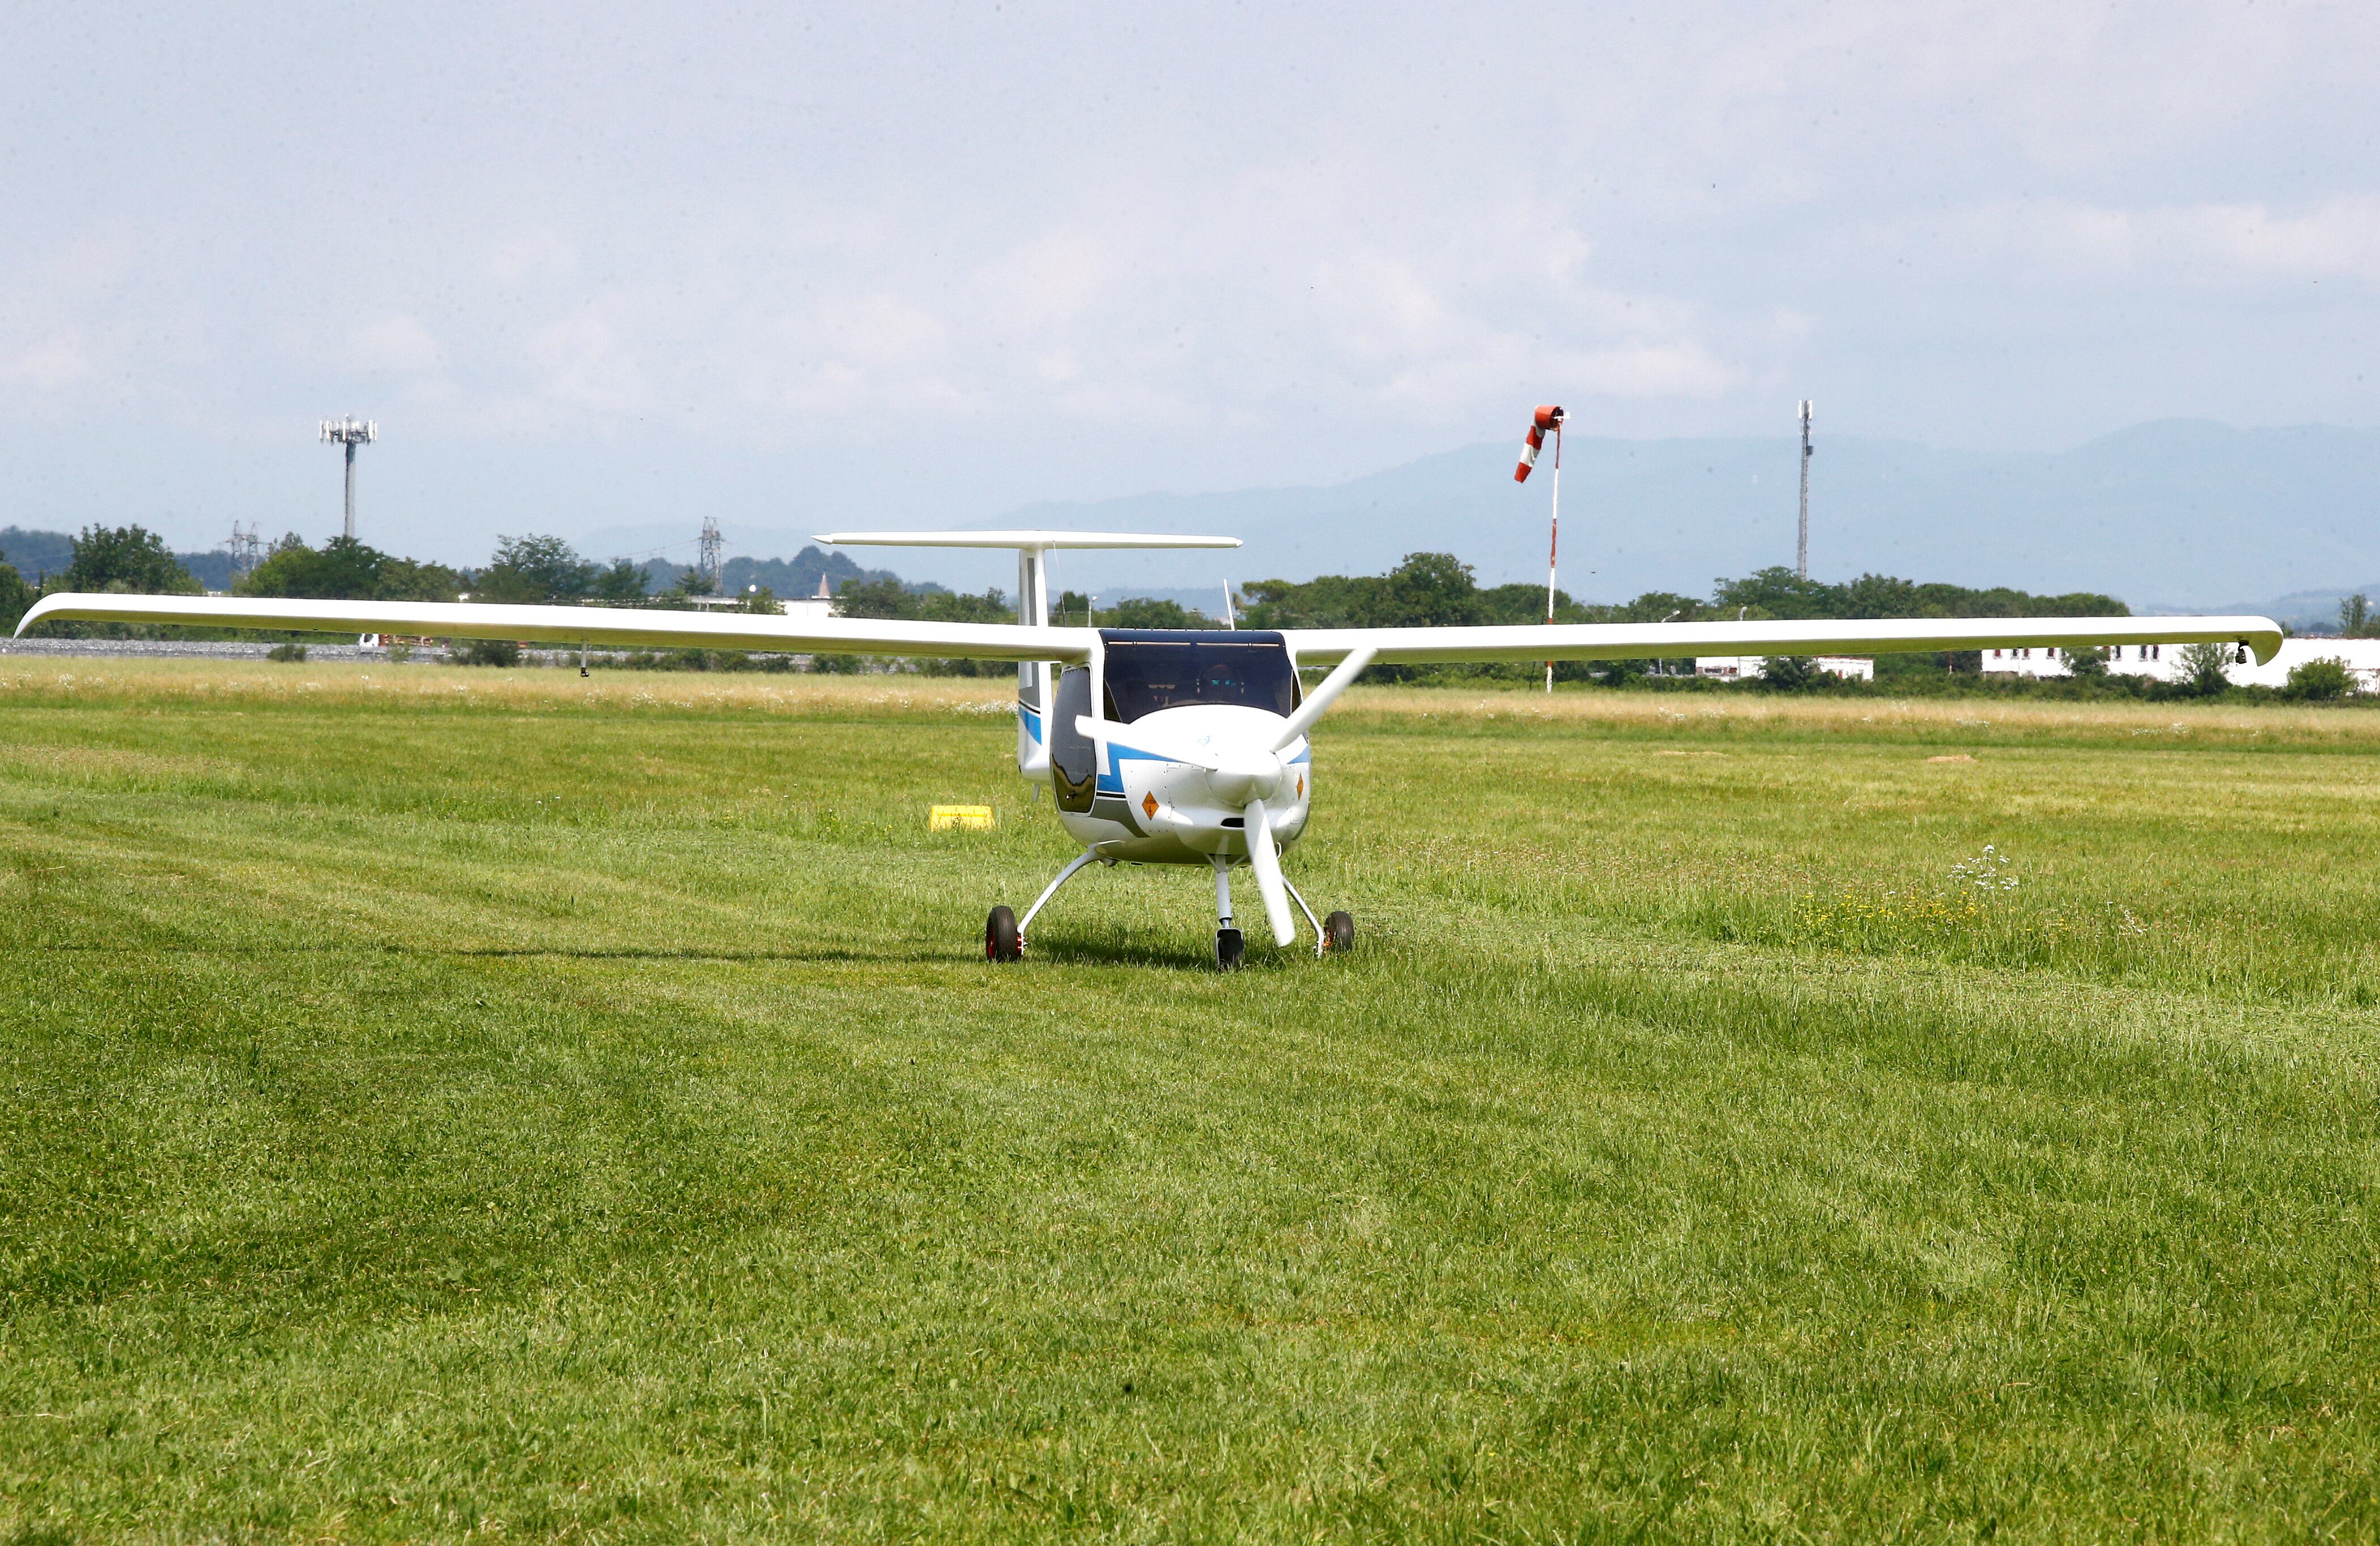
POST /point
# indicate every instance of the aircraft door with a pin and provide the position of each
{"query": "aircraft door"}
(1074, 757)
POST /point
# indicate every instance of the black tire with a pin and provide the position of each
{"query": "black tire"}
(1000, 938)
(1230, 947)
(1339, 934)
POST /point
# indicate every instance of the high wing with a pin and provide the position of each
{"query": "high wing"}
(609, 625)
(654, 628)
(1588, 641)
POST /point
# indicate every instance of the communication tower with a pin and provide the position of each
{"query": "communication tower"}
(1802, 548)
(713, 560)
(350, 433)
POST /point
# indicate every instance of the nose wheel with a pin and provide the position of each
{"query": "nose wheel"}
(1339, 934)
(1230, 949)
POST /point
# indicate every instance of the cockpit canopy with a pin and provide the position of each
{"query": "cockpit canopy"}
(1148, 669)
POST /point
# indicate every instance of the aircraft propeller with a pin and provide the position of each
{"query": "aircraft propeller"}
(1245, 776)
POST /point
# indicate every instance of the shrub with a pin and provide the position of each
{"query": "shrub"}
(485, 652)
(286, 652)
(2320, 680)
(1789, 673)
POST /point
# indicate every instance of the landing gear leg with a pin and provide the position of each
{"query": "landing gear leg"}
(1230, 945)
(1004, 933)
(1321, 940)
(1063, 876)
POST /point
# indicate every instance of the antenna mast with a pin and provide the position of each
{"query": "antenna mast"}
(1802, 548)
(349, 434)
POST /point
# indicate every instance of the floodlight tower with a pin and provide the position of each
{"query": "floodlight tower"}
(350, 433)
(1802, 548)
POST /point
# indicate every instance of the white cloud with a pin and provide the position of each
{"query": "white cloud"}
(2196, 244)
(52, 364)
(394, 343)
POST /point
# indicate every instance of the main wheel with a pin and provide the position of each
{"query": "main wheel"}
(1230, 946)
(1339, 933)
(1000, 938)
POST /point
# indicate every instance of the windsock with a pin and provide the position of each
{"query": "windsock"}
(1547, 418)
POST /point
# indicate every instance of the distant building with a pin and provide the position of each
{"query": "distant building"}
(2361, 656)
(1748, 668)
(807, 609)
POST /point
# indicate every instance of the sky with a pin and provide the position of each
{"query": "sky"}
(601, 266)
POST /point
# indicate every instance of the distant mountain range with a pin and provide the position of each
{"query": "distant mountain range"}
(2172, 516)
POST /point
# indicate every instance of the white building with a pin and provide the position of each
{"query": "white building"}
(1748, 668)
(2361, 656)
(809, 609)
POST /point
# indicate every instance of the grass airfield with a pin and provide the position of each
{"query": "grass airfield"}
(449, 1102)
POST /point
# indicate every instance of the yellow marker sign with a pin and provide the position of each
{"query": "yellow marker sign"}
(964, 818)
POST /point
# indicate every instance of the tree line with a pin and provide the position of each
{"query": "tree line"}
(133, 560)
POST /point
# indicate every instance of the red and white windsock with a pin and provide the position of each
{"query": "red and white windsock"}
(1548, 418)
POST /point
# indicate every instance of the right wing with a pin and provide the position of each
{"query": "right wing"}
(610, 625)
(1588, 641)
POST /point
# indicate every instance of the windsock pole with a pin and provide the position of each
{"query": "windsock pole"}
(1553, 548)
(1547, 418)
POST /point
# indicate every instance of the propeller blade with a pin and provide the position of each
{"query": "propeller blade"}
(1267, 864)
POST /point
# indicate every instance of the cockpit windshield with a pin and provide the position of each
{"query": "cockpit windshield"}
(1148, 669)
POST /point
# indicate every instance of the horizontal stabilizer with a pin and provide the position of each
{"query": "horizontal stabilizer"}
(1038, 540)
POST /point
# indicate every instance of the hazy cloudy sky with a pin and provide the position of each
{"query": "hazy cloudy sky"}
(596, 265)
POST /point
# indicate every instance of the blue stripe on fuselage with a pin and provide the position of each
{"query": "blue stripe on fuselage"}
(1111, 777)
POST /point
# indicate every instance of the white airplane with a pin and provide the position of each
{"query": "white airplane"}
(1161, 747)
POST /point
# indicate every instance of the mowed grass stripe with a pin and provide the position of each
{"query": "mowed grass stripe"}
(484, 1131)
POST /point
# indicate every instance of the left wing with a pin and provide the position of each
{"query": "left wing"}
(1589, 641)
(610, 625)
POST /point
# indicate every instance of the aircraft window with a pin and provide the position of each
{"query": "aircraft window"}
(1148, 670)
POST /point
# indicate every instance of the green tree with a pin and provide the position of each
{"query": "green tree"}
(2321, 680)
(622, 582)
(1790, 674)
(1778, 591)
(535, 569)
(2088, 661)
(875, 598)
(127, 560)
(1149, 612)
(2355, 616)
(2207, 667)
(1430, 589)
(347, 569)
(15, 596)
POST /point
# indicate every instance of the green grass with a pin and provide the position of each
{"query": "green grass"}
(493, 1102)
